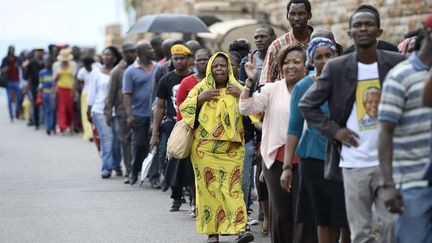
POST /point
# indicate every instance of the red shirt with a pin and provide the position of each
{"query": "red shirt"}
(13, 73)
(185, 86)
(280, 156)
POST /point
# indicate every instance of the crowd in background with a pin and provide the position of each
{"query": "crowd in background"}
(334, 143)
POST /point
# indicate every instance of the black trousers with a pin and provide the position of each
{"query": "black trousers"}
(283, 208)
(140, 142)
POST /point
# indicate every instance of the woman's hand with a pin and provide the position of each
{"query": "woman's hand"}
(250, 68)
(285, 180)
(211, 94)
(234, 90)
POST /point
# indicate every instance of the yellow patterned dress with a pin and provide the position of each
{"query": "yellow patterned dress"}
(217, 157)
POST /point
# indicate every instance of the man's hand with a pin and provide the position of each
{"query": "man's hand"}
(234, 90)
(130, 121)
(109, 120)
(89, 117)
(392, 199)
(285, 180)
(154, 141)
(211, 94)
(347, 137)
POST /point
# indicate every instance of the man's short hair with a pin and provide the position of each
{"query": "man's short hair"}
(367, 8)
(269, 29)
(305, 2)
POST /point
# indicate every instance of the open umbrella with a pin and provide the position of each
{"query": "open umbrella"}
(167, 22)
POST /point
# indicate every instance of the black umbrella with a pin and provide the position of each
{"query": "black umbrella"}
(165, 23)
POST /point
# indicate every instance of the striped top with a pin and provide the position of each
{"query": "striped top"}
(270, 71)
(401, 104)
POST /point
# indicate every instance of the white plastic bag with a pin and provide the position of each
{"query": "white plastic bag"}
(146, 164)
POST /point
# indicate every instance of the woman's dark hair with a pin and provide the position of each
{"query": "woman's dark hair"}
(284, 52)
(235, 56)
(240, 46)
(116, 54)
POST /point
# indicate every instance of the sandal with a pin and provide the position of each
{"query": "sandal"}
(264, 231)
(213, 239)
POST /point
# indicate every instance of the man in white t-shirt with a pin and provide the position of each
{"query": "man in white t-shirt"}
(351, 130)
(83, 78)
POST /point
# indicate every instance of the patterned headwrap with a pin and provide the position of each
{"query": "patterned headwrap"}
(318, 42)
(226, 107)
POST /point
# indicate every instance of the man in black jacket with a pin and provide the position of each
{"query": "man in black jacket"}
(352, 142)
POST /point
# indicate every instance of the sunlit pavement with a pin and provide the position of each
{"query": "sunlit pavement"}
(51, 191)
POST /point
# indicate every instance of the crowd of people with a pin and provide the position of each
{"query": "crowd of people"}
(336, 143)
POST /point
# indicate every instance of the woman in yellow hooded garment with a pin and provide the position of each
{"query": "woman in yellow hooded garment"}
(217, 149)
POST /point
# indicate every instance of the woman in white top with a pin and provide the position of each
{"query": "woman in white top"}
(98, 90)
(274, 101)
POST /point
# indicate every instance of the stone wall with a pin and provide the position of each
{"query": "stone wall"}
(397, 16)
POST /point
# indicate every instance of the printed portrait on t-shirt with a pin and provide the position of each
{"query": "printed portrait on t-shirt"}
(174, 96)
(367, 99)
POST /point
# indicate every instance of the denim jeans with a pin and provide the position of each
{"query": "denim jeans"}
(13, 87)
(48, 111)
(247, 169)
(160, 161)
(415, 224)
(110, 153)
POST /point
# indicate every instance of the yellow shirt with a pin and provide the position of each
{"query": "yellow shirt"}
(66, 78)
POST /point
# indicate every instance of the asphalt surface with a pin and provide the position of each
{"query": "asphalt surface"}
(51, 191)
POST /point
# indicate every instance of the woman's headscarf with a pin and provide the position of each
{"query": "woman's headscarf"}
(226, 106)
(318, 42)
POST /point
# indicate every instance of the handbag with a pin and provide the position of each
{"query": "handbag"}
(180, 141)
(39, 98)
(3, 80)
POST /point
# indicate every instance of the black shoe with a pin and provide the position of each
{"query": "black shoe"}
(119, 172)
(133, 179)
(175, 206)
(244, 237)
(164, 185)
(126, 181)
(106, 175)
(155, 185)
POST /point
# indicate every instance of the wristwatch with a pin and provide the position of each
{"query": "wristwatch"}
(287, 167)
(388, 184)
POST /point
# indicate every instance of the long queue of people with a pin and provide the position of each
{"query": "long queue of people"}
(335, 143)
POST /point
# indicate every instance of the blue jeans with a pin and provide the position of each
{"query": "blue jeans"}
(415, 224)
(13, 86)
(48, 111)
(247, 169)
(109, 156)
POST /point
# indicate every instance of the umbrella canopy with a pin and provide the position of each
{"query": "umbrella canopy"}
(165, 23)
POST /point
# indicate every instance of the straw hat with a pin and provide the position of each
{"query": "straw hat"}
(65, 55)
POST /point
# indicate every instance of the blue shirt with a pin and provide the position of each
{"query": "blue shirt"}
(46, 80)
(139, 83)
(312, 143)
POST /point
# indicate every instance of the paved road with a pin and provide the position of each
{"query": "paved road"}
(51, 191)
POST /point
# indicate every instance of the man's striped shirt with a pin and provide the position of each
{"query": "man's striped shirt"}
(401, 104)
